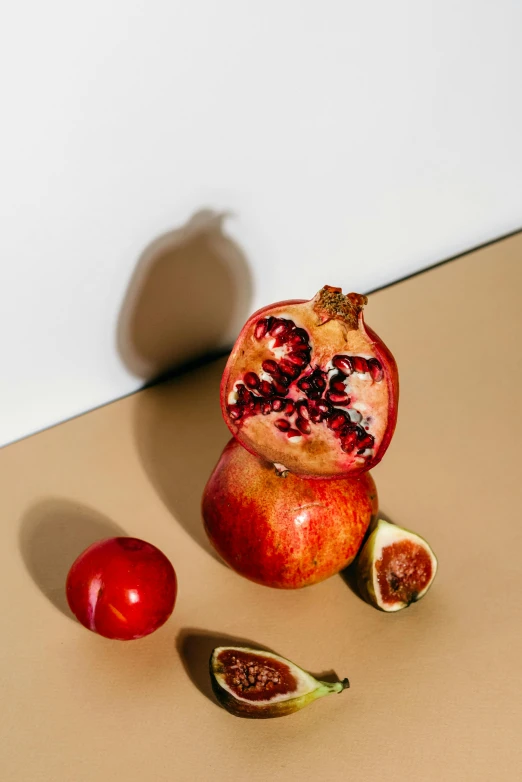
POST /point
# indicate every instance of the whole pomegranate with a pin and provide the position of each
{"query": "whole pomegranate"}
(122, 588)
(309, 387)
(284, 532)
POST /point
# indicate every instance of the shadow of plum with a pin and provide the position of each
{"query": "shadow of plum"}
(52, 534)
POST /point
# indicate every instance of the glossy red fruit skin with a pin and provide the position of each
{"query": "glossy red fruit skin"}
(287, 532)
(122, 588)
(382, 353)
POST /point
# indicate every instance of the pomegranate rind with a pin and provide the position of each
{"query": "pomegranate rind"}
(320, 456)
(307, 689)
(384, 535)
(289, 532)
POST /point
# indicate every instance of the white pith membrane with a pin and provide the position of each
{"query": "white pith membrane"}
(305, 683)
(323, 450)
(384, 535)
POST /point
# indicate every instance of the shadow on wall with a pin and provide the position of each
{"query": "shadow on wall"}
(188, 298)
(52, 534)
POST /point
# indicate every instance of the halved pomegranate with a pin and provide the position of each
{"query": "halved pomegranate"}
(312, 389)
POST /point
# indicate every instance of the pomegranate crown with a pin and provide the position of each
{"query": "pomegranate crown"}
(331, 303)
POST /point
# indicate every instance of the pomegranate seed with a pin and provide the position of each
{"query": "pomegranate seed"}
(256, 407)
(361, 434)
(296, 339)
(244, 396)
(281, 327)
(302, 335)
(337, 420)
(235, 412)
(266, 388)
(375, 369)
(316, 417)
(270, 366)
(300, 359)
(359, 364)
(251, 380)
(293, 433)
(266, 408)
(282, 378)
(280, 387)
(278, 405)
(366, 443)
(343, 363)
(313, 413)
(289, 369)
(337, 384)
(308, 386)
(282, 424)
(324, 407)
(289, 409)
(318, 383)
(325, 416)
(303, 426)
(302, 409)
(348, 442)
(338, 399)
(261, 328)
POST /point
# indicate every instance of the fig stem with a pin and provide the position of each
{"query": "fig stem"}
(339, 686)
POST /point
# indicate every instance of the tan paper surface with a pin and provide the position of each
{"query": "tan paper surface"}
(435, 689)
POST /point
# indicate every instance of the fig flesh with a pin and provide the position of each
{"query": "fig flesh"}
(395, 567)
(259, 684)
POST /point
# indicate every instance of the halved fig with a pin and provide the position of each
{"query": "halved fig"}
(258, 684)
(395, 567)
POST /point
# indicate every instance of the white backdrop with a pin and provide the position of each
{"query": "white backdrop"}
(351, 143)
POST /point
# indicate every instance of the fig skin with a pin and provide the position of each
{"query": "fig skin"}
(364, 565)
(265, 709)
(284, 533)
